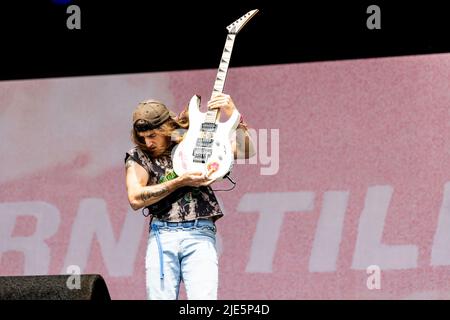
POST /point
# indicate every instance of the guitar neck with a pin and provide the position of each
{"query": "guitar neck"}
(224, 63)
(219, 84)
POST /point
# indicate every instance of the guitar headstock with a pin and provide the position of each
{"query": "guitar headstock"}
(236, 26)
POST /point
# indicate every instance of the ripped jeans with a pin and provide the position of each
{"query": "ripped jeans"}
(182, 251)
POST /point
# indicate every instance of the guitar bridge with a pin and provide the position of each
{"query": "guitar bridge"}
(201, 155)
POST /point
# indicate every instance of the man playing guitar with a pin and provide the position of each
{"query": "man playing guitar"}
(181, 243)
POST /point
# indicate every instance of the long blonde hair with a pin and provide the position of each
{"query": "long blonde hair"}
(173, 128)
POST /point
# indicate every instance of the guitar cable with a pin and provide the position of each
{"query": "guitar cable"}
(228, 177)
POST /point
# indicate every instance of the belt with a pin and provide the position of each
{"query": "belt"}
(183, 224)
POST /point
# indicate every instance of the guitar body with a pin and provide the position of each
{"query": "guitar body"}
(206, 146)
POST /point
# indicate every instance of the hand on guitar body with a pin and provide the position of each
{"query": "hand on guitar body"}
(195, 179)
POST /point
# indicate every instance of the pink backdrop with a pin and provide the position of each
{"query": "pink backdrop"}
(352, 171)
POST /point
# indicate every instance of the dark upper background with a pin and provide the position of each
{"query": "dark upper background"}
(142, 35)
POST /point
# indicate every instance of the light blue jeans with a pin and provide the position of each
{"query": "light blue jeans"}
(182, 251)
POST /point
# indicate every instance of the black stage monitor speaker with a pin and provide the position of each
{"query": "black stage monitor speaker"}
(54, 287)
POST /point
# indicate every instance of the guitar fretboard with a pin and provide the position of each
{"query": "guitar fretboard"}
(224, 63)
(219, 84)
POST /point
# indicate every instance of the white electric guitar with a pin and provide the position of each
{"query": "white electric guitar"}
(206, 146)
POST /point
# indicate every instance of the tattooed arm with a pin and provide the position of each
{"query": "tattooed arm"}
(140, 195)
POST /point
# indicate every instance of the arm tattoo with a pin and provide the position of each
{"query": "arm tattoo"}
(146, 195)
(129, 163)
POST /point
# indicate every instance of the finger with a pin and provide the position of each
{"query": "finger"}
(214, 99)
(222, 100)
(217, 103)
(207, 183)
(218, 94)
(221, 105)
(210, 181)
(198, 176)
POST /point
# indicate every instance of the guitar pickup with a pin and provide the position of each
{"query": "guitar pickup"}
(209, 127)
